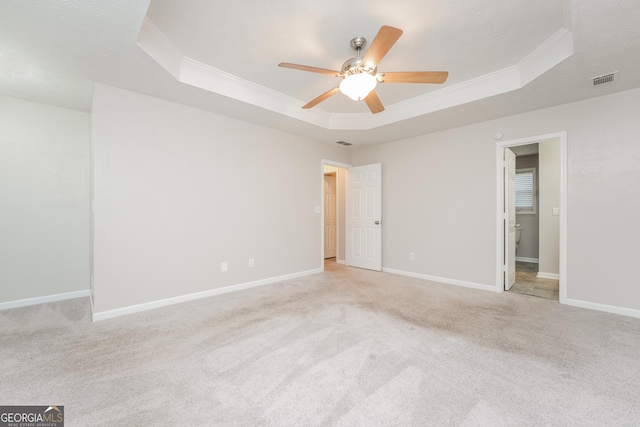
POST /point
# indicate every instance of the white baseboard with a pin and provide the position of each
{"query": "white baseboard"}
(340, 261)
(43, 300)
(103, 315)
(543, 275)
(445, 280)
(603, 307)
(525, 259)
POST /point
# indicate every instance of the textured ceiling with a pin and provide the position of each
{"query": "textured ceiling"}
(53, 52)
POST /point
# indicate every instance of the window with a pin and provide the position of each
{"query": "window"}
(526, 191)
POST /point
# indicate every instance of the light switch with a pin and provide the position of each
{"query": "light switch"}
(317, 209)
(556, 212)
(224, 267)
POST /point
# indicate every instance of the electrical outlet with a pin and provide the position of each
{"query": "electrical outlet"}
(251, 263)
(224, 267)
(412, 256)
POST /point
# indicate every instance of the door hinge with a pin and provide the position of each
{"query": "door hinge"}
(504, 268)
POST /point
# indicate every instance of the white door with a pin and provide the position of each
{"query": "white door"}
(510, 219)
(330, 219)
(363, 244)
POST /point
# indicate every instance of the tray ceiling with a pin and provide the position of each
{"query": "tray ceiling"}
(504, 58)
(234, 51)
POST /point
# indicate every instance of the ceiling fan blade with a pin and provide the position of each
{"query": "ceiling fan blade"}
(322, 97)
(307, 68)
(415, 77)
(385, 39)
(374, 103)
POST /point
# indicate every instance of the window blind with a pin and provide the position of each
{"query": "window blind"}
(525, 191)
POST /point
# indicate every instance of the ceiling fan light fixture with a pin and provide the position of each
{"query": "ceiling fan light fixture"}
(357, 86)
(360, 74)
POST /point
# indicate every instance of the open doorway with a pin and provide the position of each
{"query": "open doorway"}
(532, 216)
(330, 212)
(358, 219)
(333, 212)
(536, 203)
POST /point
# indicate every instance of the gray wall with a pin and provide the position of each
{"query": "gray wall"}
(439, 197)
(528, 246)
(179, 190)
(549, 190)
(44, 200)
(438, 201)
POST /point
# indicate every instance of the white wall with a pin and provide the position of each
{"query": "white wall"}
(179, 190)
(44, 200)
(439, 197)
(549, 190)
(529, 239)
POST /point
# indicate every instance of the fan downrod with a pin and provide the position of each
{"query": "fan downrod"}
(355, 65)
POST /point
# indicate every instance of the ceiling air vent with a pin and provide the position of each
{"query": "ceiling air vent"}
(345, 143)
(604, 79)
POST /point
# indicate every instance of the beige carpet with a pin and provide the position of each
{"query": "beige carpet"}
(345, 347)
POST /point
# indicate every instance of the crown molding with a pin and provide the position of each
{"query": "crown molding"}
(550, 53)
(206, 77)
(491, 84)
(159, 47)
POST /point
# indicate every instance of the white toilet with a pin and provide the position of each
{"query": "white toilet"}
(518, 235)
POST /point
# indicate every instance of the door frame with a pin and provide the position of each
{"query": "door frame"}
(339, 220)
(500, 187)
(509, 198)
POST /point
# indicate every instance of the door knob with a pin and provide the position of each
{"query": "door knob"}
(377, 222)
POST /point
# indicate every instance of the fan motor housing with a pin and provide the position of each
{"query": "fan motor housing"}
(355, 66)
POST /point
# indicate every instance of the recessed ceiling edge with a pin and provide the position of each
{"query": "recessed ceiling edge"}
(550, 53)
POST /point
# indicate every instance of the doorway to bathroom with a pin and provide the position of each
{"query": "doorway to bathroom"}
(535, 164)
(532, 216)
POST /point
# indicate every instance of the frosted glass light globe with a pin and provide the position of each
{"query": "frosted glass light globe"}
(358, 86)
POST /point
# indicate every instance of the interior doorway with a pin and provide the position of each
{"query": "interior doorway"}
(332, 210)
(536, 190)
(531, 216)
(330, 213)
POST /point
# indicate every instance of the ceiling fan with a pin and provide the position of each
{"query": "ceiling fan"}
(360, 75)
